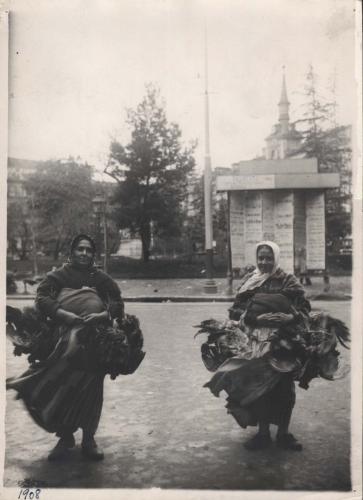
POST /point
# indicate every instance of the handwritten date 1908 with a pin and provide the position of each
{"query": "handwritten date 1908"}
(29, 494)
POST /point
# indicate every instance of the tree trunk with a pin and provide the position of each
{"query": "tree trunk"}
(57, 248)
(145, 234)
(24, 249)
(12, 249)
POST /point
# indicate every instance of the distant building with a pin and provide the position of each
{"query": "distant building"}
(19, 220)
(279, 198)
(217, 196)
(130, 247)
(284, 139)
(18, 171)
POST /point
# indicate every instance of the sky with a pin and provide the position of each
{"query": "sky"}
(75, 66)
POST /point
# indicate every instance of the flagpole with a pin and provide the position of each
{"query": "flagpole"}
(210, 285)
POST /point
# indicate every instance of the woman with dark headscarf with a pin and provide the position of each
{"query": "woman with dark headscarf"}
(259, 394)
(66, 392)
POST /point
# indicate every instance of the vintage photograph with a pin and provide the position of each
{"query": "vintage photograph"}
(179, 246)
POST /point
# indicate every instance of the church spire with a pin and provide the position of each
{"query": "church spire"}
(284, 105)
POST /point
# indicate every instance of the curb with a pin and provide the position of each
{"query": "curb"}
(181, 298)
(331, 297)
(152, 299)
(193, 298)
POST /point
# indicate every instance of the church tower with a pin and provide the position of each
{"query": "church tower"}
(284, 107)
(284, 139)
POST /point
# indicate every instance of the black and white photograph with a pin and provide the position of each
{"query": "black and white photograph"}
(182, 251)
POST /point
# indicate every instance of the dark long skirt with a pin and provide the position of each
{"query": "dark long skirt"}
(256, 392)
(63, 393)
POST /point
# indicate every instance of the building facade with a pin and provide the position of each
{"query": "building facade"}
(278, 198)
(284, 139)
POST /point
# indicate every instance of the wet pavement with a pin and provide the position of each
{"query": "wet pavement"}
(160, 428)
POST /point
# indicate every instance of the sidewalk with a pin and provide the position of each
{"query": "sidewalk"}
(191, 290)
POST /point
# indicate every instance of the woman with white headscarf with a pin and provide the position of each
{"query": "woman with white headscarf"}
(268, 277)
(259, 394)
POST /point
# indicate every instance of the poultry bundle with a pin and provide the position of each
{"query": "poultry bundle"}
(115, 349)
(307, 348)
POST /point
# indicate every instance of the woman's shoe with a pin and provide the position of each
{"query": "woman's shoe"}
(288, 442)
(61, 449)
(69, 441)
(90, 450)
(258, 442)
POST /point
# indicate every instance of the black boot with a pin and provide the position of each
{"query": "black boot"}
(90, 449)
(61, 449)
(288, 442)
(258, 442)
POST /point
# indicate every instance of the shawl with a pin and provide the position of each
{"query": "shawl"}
(81, 302)
(70, 276)
(257, 278)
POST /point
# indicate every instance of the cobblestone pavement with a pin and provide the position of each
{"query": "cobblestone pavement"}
(161, 428)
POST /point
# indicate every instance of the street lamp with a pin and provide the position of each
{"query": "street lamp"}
(99, 208)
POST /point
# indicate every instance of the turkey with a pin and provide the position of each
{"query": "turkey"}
(115, 349)
(30, 333)
(307, 348)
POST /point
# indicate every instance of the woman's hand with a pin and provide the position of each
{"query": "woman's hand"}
(273, 319)
(230, 324)
(94, 318)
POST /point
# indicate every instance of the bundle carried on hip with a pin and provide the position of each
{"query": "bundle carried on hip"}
(31, 333)
(117, 349)
(306, 347)
(112, 348)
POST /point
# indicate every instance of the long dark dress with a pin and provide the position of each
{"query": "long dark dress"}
(256, 391)
(66, 392)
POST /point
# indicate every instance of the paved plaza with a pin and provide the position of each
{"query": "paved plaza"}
(161, 428)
